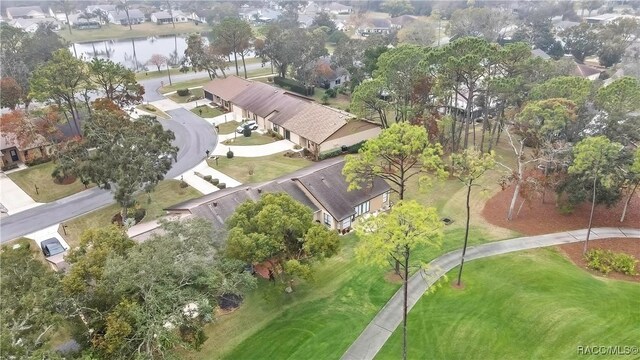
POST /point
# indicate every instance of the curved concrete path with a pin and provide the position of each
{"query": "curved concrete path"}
(387, 320)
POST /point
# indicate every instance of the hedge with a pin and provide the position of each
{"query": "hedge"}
(38, 161)
(294, 86)
(183, 92)
(221, 185)
(346, 149)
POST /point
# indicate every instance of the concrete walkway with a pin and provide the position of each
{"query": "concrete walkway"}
(13, 198)
(203, 186)
(251, 150)
(389, 318)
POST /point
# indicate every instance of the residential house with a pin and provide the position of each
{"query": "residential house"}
(15, 151)
(105, 8)
(78, 22)
(136, 16)
(563, 25)
(324, 190)
(541, 54)
(301, 120)
(60, 16)
(311, 9)
(375, 26)
(587, 72)
(221, 91)
(399, 22)
(327, 76)
(340, 26)
(164, 17)
(338, 9)
(197, 17)
(305, 21)
(25, 12)
(31, 25)
(601, 19)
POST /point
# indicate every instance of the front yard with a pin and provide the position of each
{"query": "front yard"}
(168, 192)
(154, 111)
(206, 111)
(40, 176)
(258, 169)
(228, 127)
(197, 93)
(254, 139)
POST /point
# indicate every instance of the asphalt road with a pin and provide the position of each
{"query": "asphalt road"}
(193, 137)
(151, 86)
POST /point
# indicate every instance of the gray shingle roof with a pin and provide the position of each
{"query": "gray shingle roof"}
(24, 10)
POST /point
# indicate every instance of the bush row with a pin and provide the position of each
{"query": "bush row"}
(343, 150)
(38, 161)
(606, 261)
(294, 86)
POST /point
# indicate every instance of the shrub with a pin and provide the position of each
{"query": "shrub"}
(331, 93)
(246, 131)
(139, 214)
(325, 99)
(10, 167)
(329, 154)
(221, 185)
(297, 147)
(207, 177)
(38, 161)
(183, 184)
(150, 108)
(215, 182)
(183, 92)
(294, 86)
(606, 261)
(229, 154)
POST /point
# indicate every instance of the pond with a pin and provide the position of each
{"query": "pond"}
(134, 53)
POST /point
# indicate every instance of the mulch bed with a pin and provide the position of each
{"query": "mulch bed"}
(64, 180)
(625, 245)
(538, 218)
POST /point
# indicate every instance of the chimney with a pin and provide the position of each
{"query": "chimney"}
(259, 191)
(214, 204)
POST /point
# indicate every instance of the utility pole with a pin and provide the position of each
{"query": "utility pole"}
(169, 73)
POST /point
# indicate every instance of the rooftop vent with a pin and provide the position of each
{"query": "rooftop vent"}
(214, 204)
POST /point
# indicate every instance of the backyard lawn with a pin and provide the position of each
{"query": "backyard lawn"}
(197, 93)
(206, 111)
(264, 168)
(254, 139)
(40, 176)
(168, 192)
(228, 127)
(319, 319)
(533, 304)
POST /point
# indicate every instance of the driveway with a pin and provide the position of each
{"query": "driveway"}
(389, 318)
(13, 198)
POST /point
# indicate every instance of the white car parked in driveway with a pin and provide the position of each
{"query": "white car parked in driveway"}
(251, 124)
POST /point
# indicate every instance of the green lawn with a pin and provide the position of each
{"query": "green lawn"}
(319, 320)
(206, 111)
(168, 192)
(153, 111)
(205, 79)
(35, 250)
(114, 31)
(532, 304)
(264, 168)
(228, 127)
(40, 176)
(254, 139)
(198, 93)
(153, 73)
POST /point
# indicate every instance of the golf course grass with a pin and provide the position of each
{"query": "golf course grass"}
(531, 304)
(320, 319)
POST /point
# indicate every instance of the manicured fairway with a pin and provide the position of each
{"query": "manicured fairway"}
(527, 305)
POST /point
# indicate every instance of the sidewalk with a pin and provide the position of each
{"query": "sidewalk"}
(13, 198)
(253, 150)
(389, 318)
(202, 185)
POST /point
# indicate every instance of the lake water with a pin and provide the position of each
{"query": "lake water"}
(134, 53)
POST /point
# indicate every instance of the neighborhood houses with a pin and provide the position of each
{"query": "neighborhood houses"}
(275, 179)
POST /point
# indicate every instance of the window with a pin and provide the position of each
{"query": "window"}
(385, 197)
(362, 208)
(328, 220)
(255, 117)
(346, 223)
(276, 128)
(337, 81)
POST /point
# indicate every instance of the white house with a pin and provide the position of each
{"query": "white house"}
(31, 25)
(120, 17)
(164, 17)
(338, 9)
(25, 12)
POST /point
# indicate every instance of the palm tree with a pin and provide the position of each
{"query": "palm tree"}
(102, 15)
(123, 5)
(67, 6)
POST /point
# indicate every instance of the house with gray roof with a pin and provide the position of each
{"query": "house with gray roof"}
(375, 26)
(25, 12)
(296, 118)
(120, 17)
(321, 187)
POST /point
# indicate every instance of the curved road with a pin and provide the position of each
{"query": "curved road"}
(371, 340)
(193, 137)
